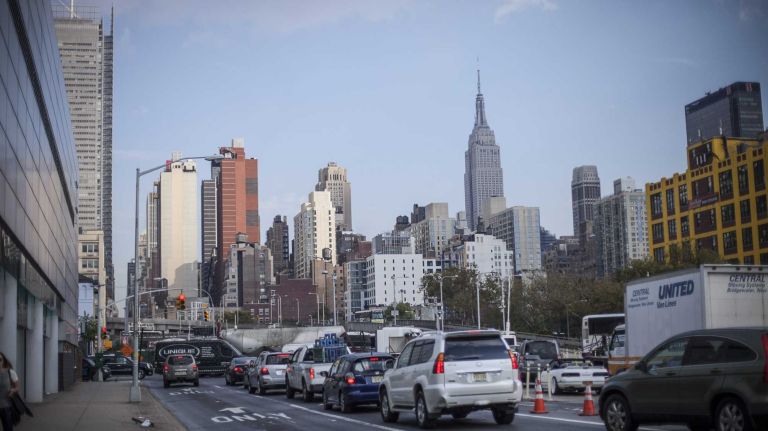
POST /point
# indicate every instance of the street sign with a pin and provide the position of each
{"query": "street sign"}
(107, 344)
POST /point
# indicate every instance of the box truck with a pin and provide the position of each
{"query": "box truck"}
(708, 297)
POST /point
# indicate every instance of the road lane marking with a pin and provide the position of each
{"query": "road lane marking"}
(600, 424)
(333, 416)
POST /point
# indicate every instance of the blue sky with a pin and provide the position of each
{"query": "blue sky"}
(387, 90)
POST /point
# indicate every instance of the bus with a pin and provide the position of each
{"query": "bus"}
(596, 330)
(372, 314)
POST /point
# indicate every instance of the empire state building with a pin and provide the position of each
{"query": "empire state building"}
(483, 176)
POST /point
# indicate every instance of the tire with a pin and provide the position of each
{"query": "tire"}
(344, 405)
(618, 416)
(197, 382)
(261, 389)
(166, 384)
(246, 382)
(226, 380)
(326, 404)
(555, 388)
(423, 418)
(502, 416)
(289, 392)
(387, 415)
(461, 414)
(306, 394)
(731, 415)
(251, 389)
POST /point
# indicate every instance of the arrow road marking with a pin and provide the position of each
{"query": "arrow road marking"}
(233, 410)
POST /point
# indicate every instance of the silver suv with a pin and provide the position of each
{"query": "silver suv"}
(452, 373)
(180, 368)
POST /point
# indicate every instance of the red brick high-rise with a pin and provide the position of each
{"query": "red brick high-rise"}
(237, 206)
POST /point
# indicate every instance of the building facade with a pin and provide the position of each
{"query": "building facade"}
(732, 111)
(314, 230)
(621, 227)
(485, 254)
(179, 230)
(395, 242)
(354, 291)
(585, 192)
(719, 203)
(208, 233)
(431, 234)
(333, 179)
(520, 229)
(86, 53)
(393, 278)
(250, 273)
(278, 242)
(38, 216)
(483, 176)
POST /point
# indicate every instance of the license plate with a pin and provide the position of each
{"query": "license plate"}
(377, 379)
(479, 377)
(181, 373)
(279, 372)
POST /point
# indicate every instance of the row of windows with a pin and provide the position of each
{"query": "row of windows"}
(730, 241)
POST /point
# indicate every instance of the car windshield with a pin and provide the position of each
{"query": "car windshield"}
(542, 349)
(278, 359)
(241, 361)
(372, 364)
(180, 360)
(475, 348)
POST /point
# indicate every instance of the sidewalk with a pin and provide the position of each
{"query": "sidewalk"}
(99, 407)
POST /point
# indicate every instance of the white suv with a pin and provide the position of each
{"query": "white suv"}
(452, 373)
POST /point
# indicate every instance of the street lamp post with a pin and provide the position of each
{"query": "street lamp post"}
(477, 291)
(317, 298)
(394, 301)
(298, 315)
(334, 299)
(135, 392)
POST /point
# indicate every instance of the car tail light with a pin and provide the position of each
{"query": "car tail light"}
(194, 367)
(238, 370)
(513, 358)
(264, 371)
(350, 379)
(166, 368)
(439, 367)
(312, 374)
(764, 339)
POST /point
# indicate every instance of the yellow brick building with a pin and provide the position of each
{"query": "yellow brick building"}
(719, 203)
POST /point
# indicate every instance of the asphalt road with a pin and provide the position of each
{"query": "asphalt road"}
(213, 406)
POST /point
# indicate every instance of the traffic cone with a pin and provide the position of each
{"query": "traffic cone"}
(589, 405)
(538, 403)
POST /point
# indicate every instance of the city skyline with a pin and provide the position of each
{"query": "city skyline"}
(393, 104)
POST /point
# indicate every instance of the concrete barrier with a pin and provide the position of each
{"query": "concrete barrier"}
(253, 341)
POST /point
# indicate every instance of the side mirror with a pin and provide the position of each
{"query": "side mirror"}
(389, 364)
(324, 373)
(641, 366)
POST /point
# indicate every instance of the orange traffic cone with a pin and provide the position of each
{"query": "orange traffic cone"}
(538, 403)
(589, 405)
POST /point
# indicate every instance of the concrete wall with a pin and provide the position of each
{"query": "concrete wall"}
(250, 341)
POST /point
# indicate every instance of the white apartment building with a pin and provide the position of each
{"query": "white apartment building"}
(520, 228)
(431, 235)
(314, 230)
(179, 230)
(486, 254)
(621, 227)
(394, 278)
(333, 179)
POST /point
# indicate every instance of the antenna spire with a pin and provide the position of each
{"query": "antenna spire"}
(478, 76)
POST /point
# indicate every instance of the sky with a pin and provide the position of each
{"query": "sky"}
(387, 89)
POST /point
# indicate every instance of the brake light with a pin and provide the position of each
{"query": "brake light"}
(350, 379)
(264, 371)
(439, 367)
(374, 359)
(513, 358)
(764, 339)
(194, 367)
(238, 370)
(166, 367)
(311, 373)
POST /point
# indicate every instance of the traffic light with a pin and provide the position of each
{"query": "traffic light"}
(181, 302)
(103, 332)
(205, 315)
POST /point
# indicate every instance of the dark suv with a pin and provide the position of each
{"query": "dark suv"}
(707, 378)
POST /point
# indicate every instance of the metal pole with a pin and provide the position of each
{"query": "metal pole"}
(334, 298)
(298, 315)
(135, 392)
(509, 303)
(567, 323)
(442, 305)
(394, 301)
(477, 289)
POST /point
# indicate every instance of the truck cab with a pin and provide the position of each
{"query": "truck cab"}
(617, 353)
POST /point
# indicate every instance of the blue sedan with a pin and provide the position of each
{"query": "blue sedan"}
(354, 379)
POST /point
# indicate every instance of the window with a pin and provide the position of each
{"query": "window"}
(728, 215)
(726, 185)
(684, 228)
(703, 188)
(761, 206)
(749, 260)
(702, 350)
(658, 232)
(745, 209)
(90, 248)
(670, 201)
(729, 242)
(669, 355)
(762, 235)
(704, 221)
(672, 229)
(656, 205)
(743, 180)
(683, 192)
(422, 352)
(746, 238)
(763, 258)
(708, 243)
(758, 171)
(475, 348)
(658, 254)
(405, 356)
(732, 351)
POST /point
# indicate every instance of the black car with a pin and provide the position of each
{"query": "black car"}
(90, 372)
(714, 378)
(235, 372)
(121, 365)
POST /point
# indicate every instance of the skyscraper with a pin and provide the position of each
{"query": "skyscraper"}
(621, 227)
(237, 206)
(333, 178)
(483, 176)
(585, 192)
(208, 220)
(314, 230)
(732, 111)
(86, 53)
(278, 243)
(179, 231)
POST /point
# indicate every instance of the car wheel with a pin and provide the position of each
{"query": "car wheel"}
(251, 389)
(197, 382)
(326, 404)
(166, 384)
(423, 418)
(344, 404)
(555, 389)
(262, 390)
(289, 392)
(387, 415)
(141, 374)
(618, 416)
(502, 416)
(731, 415)
(306, 394)
(461, 414)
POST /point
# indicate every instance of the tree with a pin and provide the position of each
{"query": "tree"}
(404, 311)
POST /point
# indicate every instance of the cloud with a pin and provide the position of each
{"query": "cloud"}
(510, 7)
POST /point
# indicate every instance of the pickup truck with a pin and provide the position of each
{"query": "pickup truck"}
(303, 371)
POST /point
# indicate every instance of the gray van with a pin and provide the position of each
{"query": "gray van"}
(538, 355)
